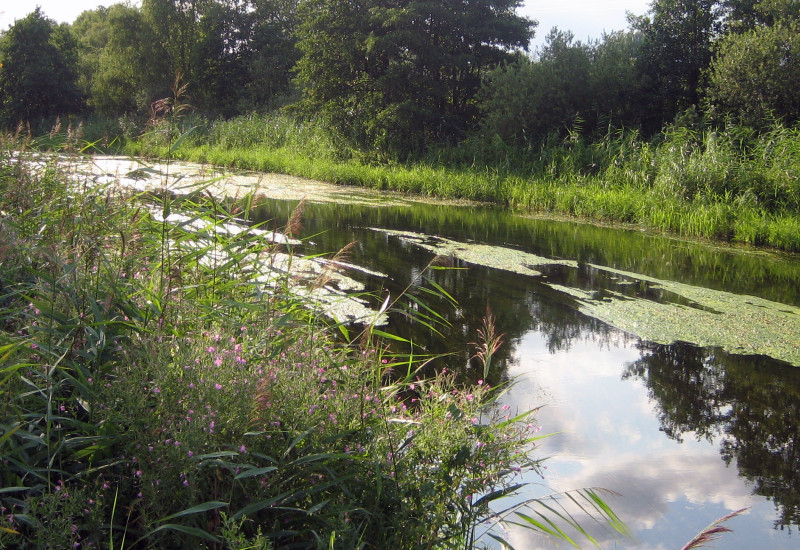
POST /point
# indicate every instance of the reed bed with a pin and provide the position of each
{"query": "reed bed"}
(727, 183)
(155, 393)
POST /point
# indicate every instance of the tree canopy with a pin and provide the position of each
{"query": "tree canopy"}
(38, 75)
(393, 78)
(400, 75)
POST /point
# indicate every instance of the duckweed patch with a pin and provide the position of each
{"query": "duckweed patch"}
(736, 323)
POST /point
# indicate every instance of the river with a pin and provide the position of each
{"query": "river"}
(667, 369)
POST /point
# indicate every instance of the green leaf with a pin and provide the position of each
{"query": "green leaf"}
(501, 540)
(180, 139)
(218, 454)
(9, 433)
(194, 531)
(388, 335)
(206, 506)
(500, 493)
(255, 472)
(319, 506)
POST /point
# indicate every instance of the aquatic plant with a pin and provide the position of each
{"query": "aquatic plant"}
(722, 183)
(142, 355)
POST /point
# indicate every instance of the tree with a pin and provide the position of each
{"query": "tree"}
(755, 74)
(91, 32)
(570, 82)
(174, 27)
(615, 83)
(128, 73)
(218, 63)
(397, 76)
(744, 15)
(38, 74)
(531, 98)
(677, 38)
(273, 52)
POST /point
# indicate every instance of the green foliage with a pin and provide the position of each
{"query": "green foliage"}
(524, 102)
(570, 88)
(693, 179)
(397, 77)
(754, 74)
(272, 57)
(676, 48)
(156, 392)
(37, 71)
(118, 59)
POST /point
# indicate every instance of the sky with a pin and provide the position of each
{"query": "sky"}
(587, 19)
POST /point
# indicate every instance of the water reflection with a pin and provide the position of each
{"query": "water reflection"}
(768, 275)
(608, 436)
(685, 434)
(750, 405)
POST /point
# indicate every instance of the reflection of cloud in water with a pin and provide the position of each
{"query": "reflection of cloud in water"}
(648, 487)
(609, 437)
(575, 388)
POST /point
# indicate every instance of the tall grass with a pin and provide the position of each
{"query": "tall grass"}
(725, 183)
(155, 392)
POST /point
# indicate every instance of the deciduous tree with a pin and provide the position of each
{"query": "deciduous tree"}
(677, 37)
(755, 74)
(397, 75)
(38, 76)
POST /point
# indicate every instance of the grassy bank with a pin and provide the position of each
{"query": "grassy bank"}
(730, 184)
(155, 393)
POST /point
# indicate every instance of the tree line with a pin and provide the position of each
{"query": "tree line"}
(401, 76)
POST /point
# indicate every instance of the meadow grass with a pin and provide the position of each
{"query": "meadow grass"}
(154, 392)
(725, 184)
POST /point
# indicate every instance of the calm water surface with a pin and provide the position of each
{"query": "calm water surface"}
(685, 434)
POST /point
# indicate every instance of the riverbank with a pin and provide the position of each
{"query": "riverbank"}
(700, 184)
(143, 354)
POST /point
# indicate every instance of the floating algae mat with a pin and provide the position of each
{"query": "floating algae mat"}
(654, 310)
(495, 257)
(185, 177)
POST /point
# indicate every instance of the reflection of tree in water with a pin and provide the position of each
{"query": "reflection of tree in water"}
(751, 403)
(520, 305)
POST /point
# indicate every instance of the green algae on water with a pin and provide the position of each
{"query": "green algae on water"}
(704, 317)
(736, 323)
(495, 257)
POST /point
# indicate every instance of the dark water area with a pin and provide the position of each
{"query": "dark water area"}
(684, 434)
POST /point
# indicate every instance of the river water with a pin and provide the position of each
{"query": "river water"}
(666, 369)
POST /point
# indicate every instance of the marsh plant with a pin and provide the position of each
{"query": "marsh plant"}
(696, 178)
(155, 393)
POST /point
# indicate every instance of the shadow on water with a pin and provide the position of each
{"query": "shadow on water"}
(750, 405)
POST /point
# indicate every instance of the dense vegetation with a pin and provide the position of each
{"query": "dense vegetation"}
(156, 392)
(114, 320)
(694, 105)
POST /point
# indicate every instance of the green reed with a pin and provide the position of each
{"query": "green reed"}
(157, 392)
(726, 183)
